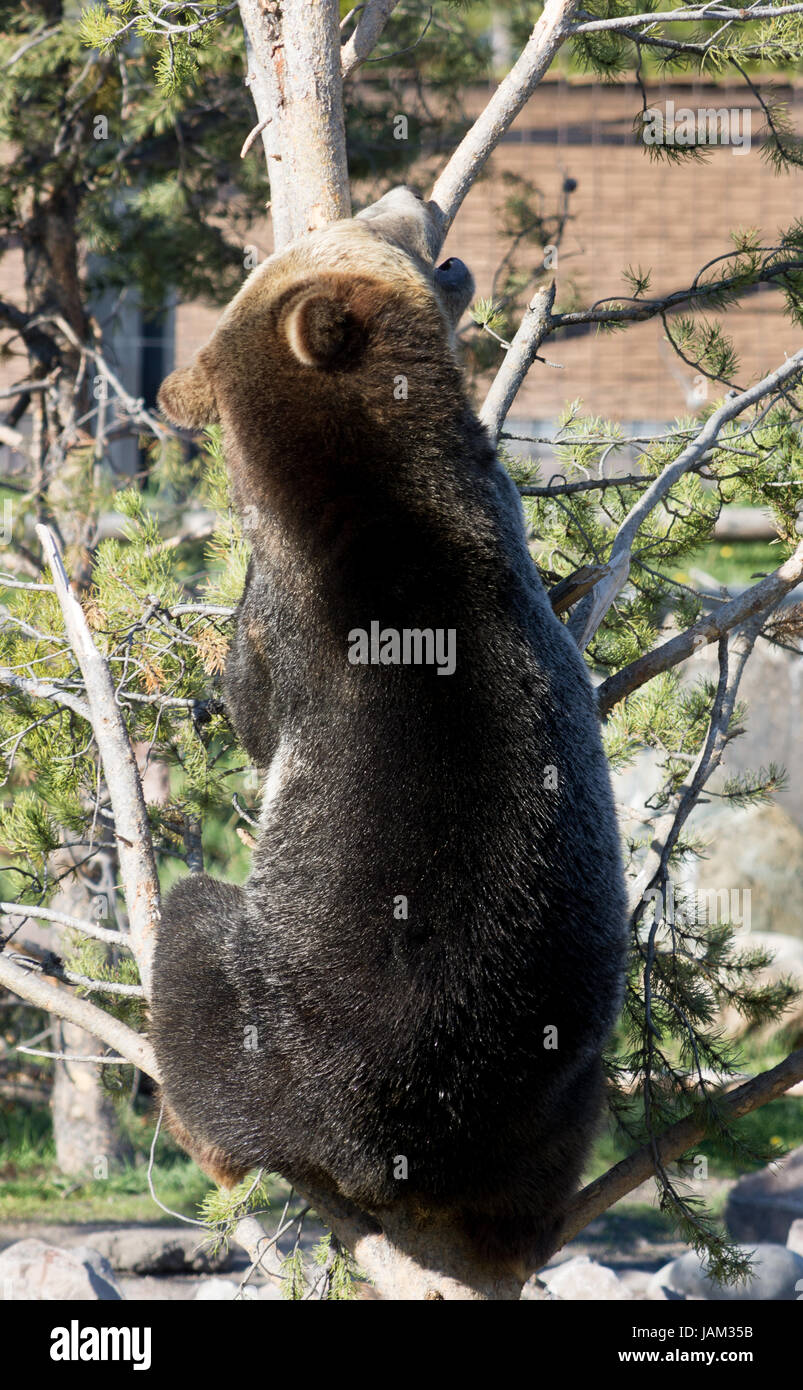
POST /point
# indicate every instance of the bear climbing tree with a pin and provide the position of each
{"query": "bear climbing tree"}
(444, 1062)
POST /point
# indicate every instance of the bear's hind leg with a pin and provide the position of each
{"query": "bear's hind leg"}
(196, 1026)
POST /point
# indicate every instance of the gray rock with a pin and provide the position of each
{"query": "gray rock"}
(223, 1291)
(534, 1292)
(658, 1290)
(220, 1290)
(794, 1241)
(270, 1292)
(158, 1250)
(786, 964)
(762, 1206)
(777, 1277)
(582, 1279)
(31, 1270)
(636, 1280)
(756, 850)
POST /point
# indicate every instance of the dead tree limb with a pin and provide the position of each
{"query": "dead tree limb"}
(64, 920)
(135, 848)
(31, 986)
(510, 97)
(760, 598)
(518, 360)
(367, 32)
(691, 15)
(590, 613)
(575, 586)
(598, 1196)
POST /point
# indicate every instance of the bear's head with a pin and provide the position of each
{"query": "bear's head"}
(338, 339)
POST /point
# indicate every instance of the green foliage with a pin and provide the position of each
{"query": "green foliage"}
(294, 1282)
(339, 1269)
(222, 1208)
(166, 668)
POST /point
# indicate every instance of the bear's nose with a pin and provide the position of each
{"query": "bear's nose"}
(452, 272)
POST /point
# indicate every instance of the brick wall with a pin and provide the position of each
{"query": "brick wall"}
(626, 210)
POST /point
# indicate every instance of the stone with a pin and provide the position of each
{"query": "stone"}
(658, 1289)
(159, 1250)
(762, 1206)
(220, 1291)
(786, 964)
(794, 1241)
(582, 1279)
(777, 1277)
(31, 1270)
(751, 872)
(636, 1280)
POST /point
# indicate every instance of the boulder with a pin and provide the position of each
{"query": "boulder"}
(794, 1241)
(757, 850)
(582, 1279)
(762, 1206)
(220, 1291)
(158, 1250)
(777, 1277)
(786, 964)
(31, 1270)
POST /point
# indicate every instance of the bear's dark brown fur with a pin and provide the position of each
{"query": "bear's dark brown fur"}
(407, 1000)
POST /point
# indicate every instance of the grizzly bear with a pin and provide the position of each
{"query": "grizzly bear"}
(406, 1003)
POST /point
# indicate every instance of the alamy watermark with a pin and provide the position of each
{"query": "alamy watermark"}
(708, 125)
(410, 646)
(705, 907)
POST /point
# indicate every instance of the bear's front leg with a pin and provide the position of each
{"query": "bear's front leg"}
(248, 684)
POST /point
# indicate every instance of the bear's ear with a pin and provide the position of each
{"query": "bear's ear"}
(319, 328)
(187, 399)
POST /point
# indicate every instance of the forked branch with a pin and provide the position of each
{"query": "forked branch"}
(590, 613)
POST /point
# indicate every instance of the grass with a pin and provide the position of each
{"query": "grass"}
(33, 1189)
(768, 1133)
(732, 562)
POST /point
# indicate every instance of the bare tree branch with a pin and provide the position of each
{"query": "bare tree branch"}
(73, 1009)
(691, 15)
(44, 690)
(135, 848)
(591, 611)
(373, 18)
(575, 586)
(133, 407)
(637, 310)
(598, 1196)
(758, 599)
(517, 360)
(510, 97)
(63, 919)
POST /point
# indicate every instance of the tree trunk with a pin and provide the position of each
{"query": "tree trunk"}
(293, 52)
(85, 1124)
(86, 1128)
